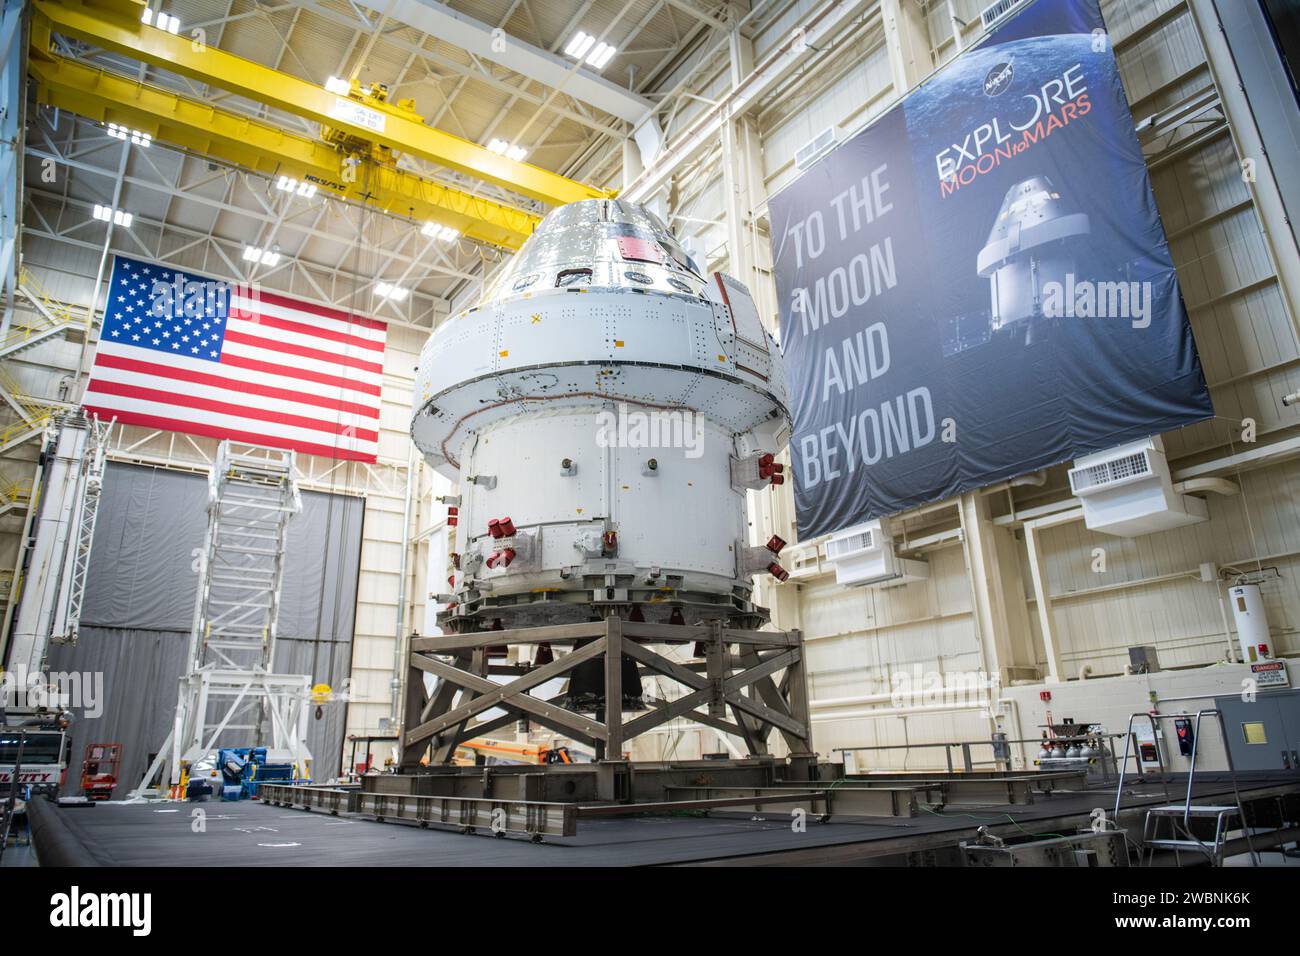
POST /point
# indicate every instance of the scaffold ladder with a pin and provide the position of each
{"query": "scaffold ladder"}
(230, 686)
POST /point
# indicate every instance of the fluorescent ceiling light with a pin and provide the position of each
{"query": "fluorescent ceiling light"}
(601, 55)
(267, 257)
(394, 292)
(288, 184)
(136, 137)
(338, 85)
(583, 46)
(117, 216)
(579, 45)
(508, 150)
(163, 21)
(441, 233)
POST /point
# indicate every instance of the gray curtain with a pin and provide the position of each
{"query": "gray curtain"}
(140, 601)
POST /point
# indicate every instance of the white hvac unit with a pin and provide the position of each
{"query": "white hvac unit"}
(1127, 491)
(995, 13)
(817, 147)
(863, 556)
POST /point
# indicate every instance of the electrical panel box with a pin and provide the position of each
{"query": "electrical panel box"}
(1143, 660)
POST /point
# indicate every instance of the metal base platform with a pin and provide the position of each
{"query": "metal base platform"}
(863, 827)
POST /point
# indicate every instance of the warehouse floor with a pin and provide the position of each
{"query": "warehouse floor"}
(255, 834)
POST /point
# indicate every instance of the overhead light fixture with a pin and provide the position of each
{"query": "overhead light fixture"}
(441, 233)
(394, 292)
(163, 21)
(338, 85)
(288, 184)
(502, 148)
(116, 216)
(601, 55)
(579, 45)
(267, 257)
(136, 137)
(583, 46)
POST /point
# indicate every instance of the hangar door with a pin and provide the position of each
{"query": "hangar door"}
(140, 602)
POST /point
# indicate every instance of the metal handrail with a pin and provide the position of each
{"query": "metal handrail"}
(1191, 773)
(1123, 765)
(965, 746)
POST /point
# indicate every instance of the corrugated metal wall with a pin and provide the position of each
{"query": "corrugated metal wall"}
(1149, 592)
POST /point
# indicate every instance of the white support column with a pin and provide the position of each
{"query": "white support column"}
(999, 603)
(771, 510)
(907, 40)
(1246, 138)
(1042, 598)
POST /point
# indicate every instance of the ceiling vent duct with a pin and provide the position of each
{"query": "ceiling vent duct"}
(863, 556)
(995, 13)
(1127, 491)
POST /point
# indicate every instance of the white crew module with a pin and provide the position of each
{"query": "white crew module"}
(604, 408)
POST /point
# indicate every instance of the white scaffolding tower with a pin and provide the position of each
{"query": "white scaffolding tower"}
(229, 688)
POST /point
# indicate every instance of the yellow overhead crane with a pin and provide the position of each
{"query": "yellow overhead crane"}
(265, 148)
(360, 126)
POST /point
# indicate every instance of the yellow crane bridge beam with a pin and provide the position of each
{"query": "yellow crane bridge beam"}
(115, 25)
(240, 140)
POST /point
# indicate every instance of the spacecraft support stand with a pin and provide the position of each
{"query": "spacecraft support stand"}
(748, 684)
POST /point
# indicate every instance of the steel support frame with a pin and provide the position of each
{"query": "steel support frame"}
(88, 514)
(229, 666)
(49, 586)
(757, 676)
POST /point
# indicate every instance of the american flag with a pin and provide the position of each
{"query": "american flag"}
(185, 353)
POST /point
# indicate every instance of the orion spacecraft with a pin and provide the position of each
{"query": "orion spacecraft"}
(1029, 246)
(603, 408)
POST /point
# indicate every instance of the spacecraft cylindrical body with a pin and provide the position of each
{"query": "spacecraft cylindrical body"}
(1029, 246)
(607, 405)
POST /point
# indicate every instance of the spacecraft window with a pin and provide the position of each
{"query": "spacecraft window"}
(523, 282)
(616, 229)
(572, 277)
(679, 285)
(640, 277)
(637, 249)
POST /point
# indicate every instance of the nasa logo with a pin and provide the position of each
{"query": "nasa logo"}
(998, 79)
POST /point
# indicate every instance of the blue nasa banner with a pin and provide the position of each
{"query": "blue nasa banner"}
(978, 284)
